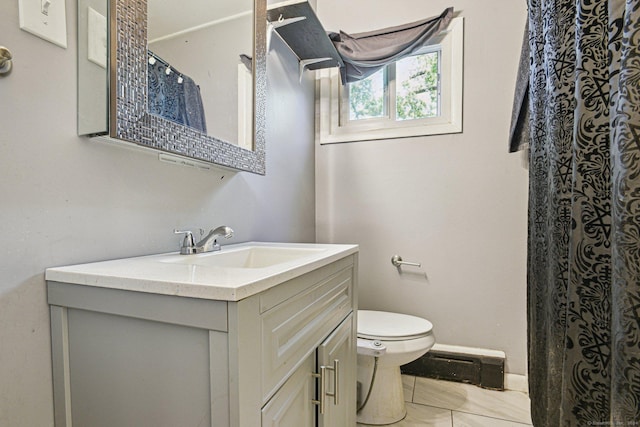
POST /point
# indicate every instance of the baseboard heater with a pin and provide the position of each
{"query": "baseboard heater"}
(481, 367)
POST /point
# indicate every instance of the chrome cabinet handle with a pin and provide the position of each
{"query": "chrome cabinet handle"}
(397, 261)
(336, 379)
(5, 60)
(323, 393)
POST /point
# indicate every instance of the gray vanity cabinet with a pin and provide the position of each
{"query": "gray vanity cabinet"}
(290, 406)
(123, 358)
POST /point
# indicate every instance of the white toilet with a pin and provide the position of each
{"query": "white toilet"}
(385, 342)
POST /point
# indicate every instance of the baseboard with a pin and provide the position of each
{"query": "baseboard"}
(481, 367)
(516, 382)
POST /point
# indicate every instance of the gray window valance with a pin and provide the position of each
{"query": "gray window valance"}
(366, 53)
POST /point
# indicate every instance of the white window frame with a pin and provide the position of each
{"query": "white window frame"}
(245, 107)
(333, 130)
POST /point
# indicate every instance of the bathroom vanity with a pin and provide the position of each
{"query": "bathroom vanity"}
(256, 334)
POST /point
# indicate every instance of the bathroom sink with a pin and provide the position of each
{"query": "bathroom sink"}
(235, 272)
(246, 257)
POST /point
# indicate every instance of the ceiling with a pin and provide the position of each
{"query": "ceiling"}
(166, 18)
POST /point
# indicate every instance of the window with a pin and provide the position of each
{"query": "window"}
(406, 90)
(418, 95)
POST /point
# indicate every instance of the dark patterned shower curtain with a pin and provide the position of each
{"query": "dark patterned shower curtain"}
(584, 212)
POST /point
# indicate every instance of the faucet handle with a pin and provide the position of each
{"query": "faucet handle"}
(188, 244)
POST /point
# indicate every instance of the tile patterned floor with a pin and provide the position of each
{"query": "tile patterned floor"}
(447, 404)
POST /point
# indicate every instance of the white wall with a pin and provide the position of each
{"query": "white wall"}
(66, 200)
(457, 203)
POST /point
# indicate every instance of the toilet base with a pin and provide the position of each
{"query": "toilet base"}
(386, 402)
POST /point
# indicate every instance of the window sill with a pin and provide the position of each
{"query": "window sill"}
(341, 135)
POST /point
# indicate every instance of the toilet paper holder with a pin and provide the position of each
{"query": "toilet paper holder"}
(397, 261)
(5, 60)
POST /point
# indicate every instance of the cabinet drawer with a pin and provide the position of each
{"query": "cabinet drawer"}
(294, 328)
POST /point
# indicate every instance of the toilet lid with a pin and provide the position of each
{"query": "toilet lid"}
(386, 326)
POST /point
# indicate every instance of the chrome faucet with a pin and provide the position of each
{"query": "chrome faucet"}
(207, 244)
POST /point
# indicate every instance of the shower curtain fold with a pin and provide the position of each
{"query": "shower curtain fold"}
(519, 131)
(584, 212)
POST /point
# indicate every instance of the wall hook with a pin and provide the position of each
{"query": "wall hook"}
(5, 60)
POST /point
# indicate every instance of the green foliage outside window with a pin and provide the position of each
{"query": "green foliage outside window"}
(366, 97)
(417, 87)
(416, 92)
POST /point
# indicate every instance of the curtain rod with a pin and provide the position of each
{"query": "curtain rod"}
(169, 70)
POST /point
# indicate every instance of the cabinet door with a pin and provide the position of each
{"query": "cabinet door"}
(338, 354)
(291, 405)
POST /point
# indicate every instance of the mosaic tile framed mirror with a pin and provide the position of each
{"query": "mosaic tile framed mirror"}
(184, 77)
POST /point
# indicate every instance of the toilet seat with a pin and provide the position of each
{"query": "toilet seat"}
(386, 326)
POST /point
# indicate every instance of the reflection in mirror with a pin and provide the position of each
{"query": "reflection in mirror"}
(199, 66)
(92, 67)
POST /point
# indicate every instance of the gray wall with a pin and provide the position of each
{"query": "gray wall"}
(66, 200)
(457, 203)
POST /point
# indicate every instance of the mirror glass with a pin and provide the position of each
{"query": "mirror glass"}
(200, 66)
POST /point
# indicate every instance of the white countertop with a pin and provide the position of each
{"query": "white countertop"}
(190, 276)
